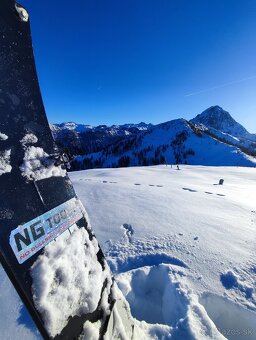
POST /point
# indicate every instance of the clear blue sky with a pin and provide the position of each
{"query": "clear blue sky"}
(120, 61)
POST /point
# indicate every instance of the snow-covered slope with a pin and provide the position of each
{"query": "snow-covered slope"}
(218, 119)
(81, 128)
(203, 232)
(181, 246)
(84, 139)
(71, 126)
(177, 141)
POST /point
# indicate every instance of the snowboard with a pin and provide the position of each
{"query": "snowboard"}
(47, 247)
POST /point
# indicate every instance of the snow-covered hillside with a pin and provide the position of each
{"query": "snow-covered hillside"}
(82, 128)
(211, 138)
(177, 141)
(181, 246)
(204, 233)
(218, 119)
(84, 139)
(71, 126)
(223, 126)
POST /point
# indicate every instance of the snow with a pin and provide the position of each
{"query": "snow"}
(37, 165)
(91, 330)
(233, 321)
(182, 249)
(29, 138)
(5, 157)
(231, 280)
(206, 149)
(65, 285)
(122, 325)
(23, 14)
(71, 126)
(156, 294)
(3, 136)
(15, 321)
(146, 216)
(119, 329)
(217, 118)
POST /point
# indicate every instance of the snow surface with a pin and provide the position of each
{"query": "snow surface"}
(23, 14)
(37, 165)
(29, 138)
(15, 321)
(181, 246)
(3, 136)
(156, 294)
(91, 330)
(183, 219)
(5, 157)
(65, 285)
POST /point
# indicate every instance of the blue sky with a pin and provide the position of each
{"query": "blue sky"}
(120, 61)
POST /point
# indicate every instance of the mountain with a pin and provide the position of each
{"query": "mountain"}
(216, 118)
(211, 138)
(84, 139)
(71, 126)
(174, 142)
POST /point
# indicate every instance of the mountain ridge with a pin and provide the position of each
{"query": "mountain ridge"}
(217, 118)
(211, 138)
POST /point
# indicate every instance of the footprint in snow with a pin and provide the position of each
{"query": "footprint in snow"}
(208, 192)
(112, 182)
(220, 195)
(137, 184)
(196, 238)
(151, 185)
(159, 186)
(128, 232)
(104, 181)
(142, 260)
(191, 190)
(231, 280)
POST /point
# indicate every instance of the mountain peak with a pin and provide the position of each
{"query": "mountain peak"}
(216, 117)
(215, 114)
(215, 107)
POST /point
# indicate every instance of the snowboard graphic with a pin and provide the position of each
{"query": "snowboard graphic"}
(47, 247)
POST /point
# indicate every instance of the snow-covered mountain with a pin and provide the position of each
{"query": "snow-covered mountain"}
(177, 141)
(211, 138)
(215, 118)
(71, 126)
(81, 128)
(84, 139)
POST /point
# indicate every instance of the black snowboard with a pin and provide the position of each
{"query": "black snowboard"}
(35, 207)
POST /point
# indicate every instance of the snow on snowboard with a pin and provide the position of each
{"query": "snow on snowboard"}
(47, 247)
